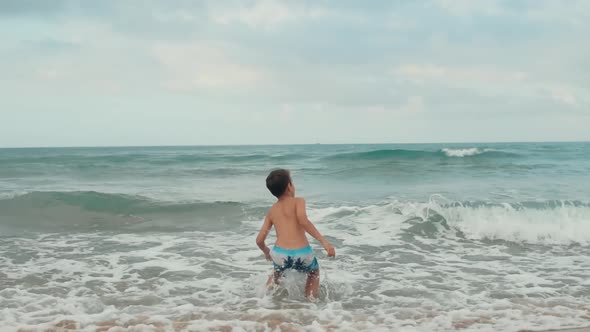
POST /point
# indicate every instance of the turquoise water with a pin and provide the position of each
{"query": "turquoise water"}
(429, 236)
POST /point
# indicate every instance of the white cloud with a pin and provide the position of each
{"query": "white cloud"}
(412, 104)
(175, 15)
(491, 82)
(266, 13)
(483, 81)
(464, 75)
(49, 73)
(287, 113)
(470, 7)
(574, 12)
(198, 65)
(82, 56)
(563, 95)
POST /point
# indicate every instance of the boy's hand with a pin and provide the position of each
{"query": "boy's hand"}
(330, 249)
(267, 254)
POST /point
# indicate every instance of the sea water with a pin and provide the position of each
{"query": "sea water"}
(437, 237)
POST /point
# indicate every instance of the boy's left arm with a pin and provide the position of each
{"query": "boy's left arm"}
(266, 226)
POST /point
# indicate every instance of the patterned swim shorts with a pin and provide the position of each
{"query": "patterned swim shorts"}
(301, 259)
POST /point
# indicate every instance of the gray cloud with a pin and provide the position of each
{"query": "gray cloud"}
(32, 7)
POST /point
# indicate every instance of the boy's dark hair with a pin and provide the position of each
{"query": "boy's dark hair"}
(278, 181)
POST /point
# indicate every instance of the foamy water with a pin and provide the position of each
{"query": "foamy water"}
(147, 257)
(389, 274)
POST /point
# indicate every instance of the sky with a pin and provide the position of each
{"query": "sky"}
(180, 72)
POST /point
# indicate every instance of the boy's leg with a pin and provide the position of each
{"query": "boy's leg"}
(312, 286)
(275, 277)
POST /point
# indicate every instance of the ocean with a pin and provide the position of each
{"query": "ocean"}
(429, 237)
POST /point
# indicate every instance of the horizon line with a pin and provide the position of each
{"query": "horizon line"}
(276, 144)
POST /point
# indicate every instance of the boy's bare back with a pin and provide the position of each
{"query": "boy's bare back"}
(286, 215)
(289, 217)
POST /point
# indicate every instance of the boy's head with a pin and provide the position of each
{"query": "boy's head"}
(279, 183)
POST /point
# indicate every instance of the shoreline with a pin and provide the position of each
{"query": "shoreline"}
(575, 329)
(143, 322)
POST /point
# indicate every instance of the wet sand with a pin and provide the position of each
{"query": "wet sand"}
(143, 324)
(582, 329)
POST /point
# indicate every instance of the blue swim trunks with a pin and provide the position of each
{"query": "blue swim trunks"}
(301, 259)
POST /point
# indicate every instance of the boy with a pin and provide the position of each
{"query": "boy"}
(291, 250)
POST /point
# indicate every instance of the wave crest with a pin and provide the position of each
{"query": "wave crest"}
(464, 152)
(548, 222)
(421, 154)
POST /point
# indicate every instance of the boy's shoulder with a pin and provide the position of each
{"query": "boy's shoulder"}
(294, 201)
(297, 200)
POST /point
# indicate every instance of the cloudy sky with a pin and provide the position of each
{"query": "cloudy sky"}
(77, 73)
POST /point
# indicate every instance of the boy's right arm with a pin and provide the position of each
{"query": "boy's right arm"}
(266, 226)
(310, 228)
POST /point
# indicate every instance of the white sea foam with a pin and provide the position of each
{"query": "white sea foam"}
(560, 225)
(464, 152)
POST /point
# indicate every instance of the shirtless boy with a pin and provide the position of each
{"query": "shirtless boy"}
(291, 250)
